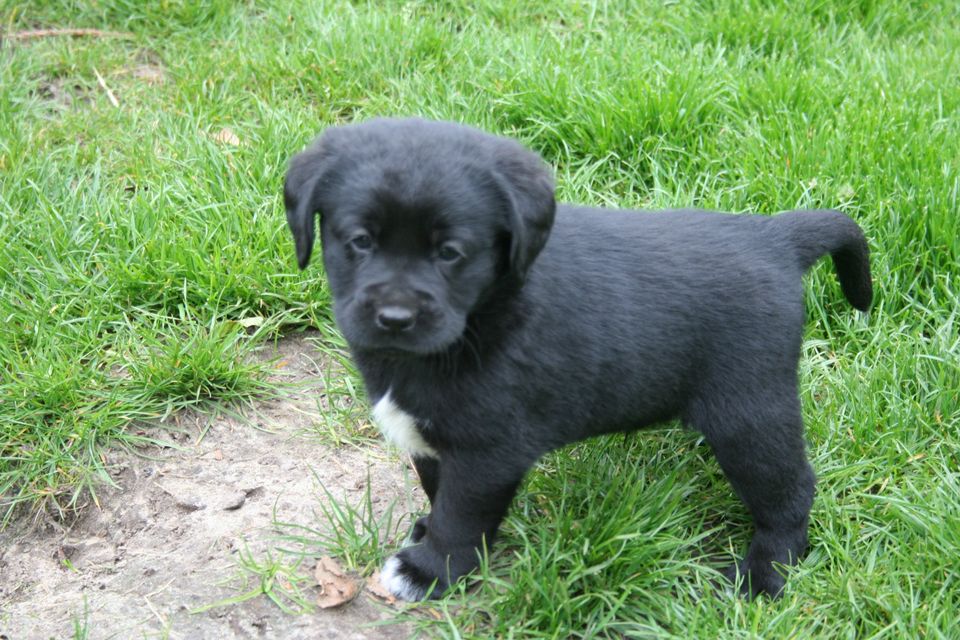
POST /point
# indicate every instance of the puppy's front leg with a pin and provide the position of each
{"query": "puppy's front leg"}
(428, 470)
(471, 498)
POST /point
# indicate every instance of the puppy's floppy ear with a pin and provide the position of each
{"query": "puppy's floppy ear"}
(306, 178)
(527, 186)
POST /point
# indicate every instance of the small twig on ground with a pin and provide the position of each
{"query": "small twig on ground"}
(103, 83)
(160, 616)
(72, 33)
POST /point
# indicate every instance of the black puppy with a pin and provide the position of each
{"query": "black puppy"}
(492, 326)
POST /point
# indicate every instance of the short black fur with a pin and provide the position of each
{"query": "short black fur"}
(507, 326)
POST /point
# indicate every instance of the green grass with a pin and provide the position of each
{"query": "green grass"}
(139, 240)
(351, 530)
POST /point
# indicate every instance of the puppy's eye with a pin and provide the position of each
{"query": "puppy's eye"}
(449, 252)
(361, 242)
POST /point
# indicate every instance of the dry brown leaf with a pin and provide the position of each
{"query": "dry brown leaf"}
(376, 589)
(336, 587)
(227, 136)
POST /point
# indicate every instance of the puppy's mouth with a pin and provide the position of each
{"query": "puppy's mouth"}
(393, 353)
(390, 332)
(396, 349)
(424, 341)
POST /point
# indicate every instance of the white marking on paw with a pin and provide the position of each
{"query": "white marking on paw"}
(400, 428)
(398, 584)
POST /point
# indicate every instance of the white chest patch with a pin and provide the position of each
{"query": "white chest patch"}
(400, 428)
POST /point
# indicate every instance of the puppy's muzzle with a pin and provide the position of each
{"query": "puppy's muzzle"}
(396, 309)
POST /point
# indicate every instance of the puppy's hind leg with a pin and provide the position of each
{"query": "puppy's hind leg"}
(758, 441)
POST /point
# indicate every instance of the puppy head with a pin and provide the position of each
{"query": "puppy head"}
(420, 222)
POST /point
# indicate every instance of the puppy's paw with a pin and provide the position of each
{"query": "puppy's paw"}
(403, 578)
(753, 582)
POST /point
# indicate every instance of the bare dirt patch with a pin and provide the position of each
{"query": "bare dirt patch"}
(165, 541)
(63, 94)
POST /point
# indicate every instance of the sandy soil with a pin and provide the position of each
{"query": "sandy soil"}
(166, 539)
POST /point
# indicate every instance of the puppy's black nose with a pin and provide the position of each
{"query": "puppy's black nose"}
(395, 318)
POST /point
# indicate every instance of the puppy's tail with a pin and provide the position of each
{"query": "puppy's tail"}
(816, 233)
